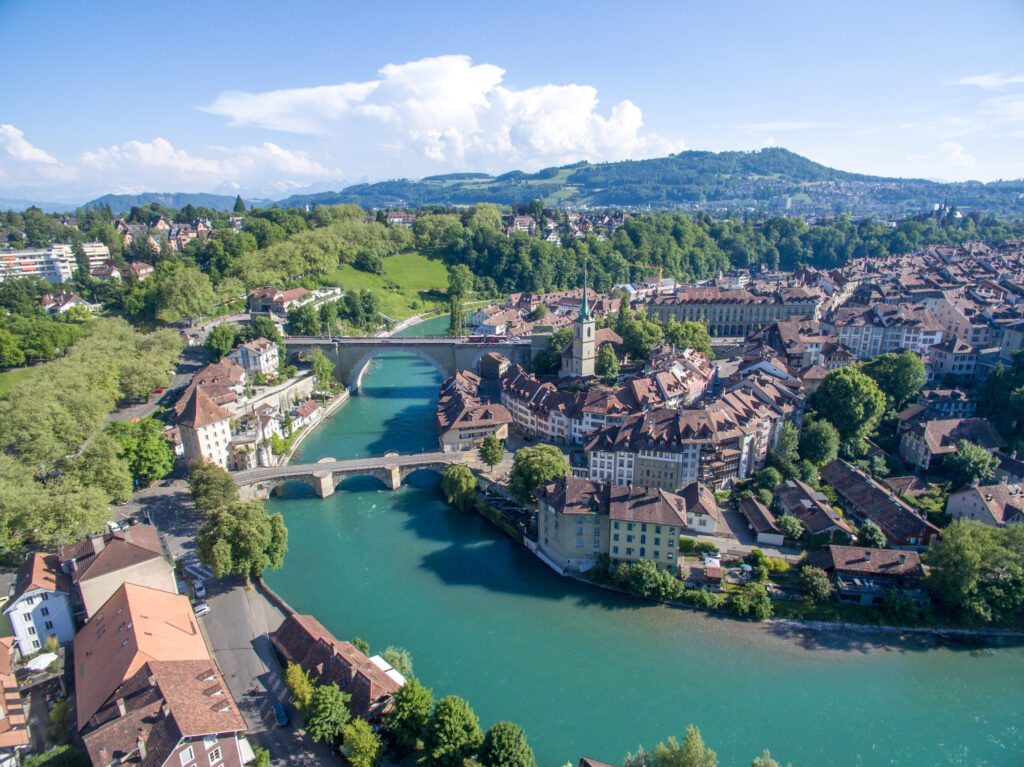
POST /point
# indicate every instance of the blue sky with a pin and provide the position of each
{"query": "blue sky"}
(123, 97)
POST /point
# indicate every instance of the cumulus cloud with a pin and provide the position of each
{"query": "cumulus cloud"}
(954, 155)
(991, 81)
(13, 142)
(446, 109)
(159, 163)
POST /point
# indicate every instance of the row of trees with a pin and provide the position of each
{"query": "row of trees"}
(692, 752)
(58, 469)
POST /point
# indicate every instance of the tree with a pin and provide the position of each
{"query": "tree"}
(239, 205)
(368, 262)
(456, 318)
(765, 760)
(262, 757)
(243, 539)
(410, 713)
(539, 313)
(768, 478)
(819, 443)
(11, 354)
(533, 466)
(639, 336)
(304, 320)
(850, 401)
(688, 335)
(459, 486)
(212, 487)
(815, 585)
(692, 752)
(788, 439)
(400, 660)
(977, 571)
(549, 360)
(150, 457)
(899, 376)
(185, 292)
(751, 600)
(607, 365)
(103, 464)
(327, 714)
(362, 746)
(491, 451)
(505, 746)
(59, 756)
(871, 536)
(362, 645)
(970, 462)
(460, 281)
(220, 341)
(323, 371)
(296, 679)
(639, 759)
(453, 733)
(790, 526)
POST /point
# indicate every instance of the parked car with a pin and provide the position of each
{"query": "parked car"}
(199, 589)
(280, 715)
(158, 390)
(201, 609)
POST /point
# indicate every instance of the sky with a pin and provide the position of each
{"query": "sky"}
(267, 99)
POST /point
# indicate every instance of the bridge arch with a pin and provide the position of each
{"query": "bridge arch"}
(355, 376)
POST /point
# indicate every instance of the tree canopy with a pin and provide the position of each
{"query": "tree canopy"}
(970, 463)
(452, 734)
(505, 745)
(899, 376)
(241, 538)
(459, 486)
(533, 466)
(851, 402)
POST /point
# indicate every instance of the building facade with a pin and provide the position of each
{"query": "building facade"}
(41, 604)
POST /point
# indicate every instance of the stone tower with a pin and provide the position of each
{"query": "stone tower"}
(583, 351)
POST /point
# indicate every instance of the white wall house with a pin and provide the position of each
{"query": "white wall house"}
(41, 605)
(259, 356)
(205, 430)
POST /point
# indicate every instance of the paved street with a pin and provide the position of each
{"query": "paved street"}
(189, 363)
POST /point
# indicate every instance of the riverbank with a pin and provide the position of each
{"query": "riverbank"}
(335, 403)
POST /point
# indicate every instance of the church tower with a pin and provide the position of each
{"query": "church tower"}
(583, 351)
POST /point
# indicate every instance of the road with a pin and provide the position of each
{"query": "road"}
(189, 363)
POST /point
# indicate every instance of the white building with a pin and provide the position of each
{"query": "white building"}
(54, 264)
(259, 356)
(41, 604)
(205, 430)
(97, 253)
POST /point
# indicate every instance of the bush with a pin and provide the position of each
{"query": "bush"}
(709, 600)
(751, 600)
(690, 546)
(815, 585)
(776, 565)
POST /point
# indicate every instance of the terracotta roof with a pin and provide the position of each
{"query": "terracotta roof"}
(910, 485)
(809, 506)
(863, 561)
(201, 411)
(113, 551)
(587, 762)
(942, 435)
(757, 514)
(39, 571)
(14, 732)
(136, 625)
(1004, 502)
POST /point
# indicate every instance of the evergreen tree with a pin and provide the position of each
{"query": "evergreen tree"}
(505, 746)
(453, 733)
(239, 205)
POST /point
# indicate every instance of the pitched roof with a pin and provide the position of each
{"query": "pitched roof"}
(809, 506)
(863, 561)
(39, 571)
(136, 625)
(201, 411)
(941, 435)
(1004, 502)
(757, 514)
(113, 551)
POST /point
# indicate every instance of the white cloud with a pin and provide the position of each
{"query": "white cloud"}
(991, 81)
(448, 110)
(954, 154)
(13, 142)
(158, 163)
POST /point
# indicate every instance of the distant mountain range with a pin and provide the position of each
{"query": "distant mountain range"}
(772, 180)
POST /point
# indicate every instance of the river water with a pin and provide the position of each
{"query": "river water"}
(590, 673)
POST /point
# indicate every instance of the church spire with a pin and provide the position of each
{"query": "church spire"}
(585, 307)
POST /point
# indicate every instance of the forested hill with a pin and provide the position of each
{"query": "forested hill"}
(120, 203)
(768, 181)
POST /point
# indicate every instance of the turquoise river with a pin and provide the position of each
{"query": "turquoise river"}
(586, 672)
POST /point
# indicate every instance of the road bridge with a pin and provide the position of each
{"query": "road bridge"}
(351, 355)
(325, 475)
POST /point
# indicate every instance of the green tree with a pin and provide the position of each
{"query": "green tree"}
(323, 372)
(970, 462)
(304, 320)
(815, 585)
(327, 713)
(243, 539)
(220, 341)
(212, 487)
(790, 526)
(505, 746)
(492, 451)
(11, 354)
(688, 335)
(899, 376)
(409, 714)
(400, 660)
(533, 466)
(296, 679)
(819, 443)
(789, 437)
(452, 734)
(640, 758)
(765, 760)
(459, 486)
(768, 478)
(59, 756)
(103, 465)
(871, 536)
(262, 757)
(639, 336)
(150, 457)
(185, 292)
(692, 752)
(362, 645)
(751, 600)
(549, 361)
(362, 746)
(850, 401)
(539, 313)
(239, 205)
(460, 281)
(607, 365)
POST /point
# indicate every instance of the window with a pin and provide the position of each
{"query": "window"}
(643, 539)
(35, 644)
(209, 741)
(579, 543)
(615, 536)
(629, 551)
(215, 756)
(48, 625)
(644, 527)
(187, 756)
(31, 630)
(629, 539)
(45, 596)
(629, 525)
(44, 611)
(615, 549)
(657, 529)
(657, 541)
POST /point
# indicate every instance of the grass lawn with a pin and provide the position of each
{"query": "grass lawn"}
(411, 284)
(11, 378)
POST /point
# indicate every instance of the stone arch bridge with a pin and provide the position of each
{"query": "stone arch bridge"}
(325, 475)
(351, 355)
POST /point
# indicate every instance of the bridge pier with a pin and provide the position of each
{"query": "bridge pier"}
(392, 477)
(323, 483)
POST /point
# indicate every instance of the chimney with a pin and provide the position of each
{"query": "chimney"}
(867, 555)
(142, 749)
(903, 559)
(121, 710)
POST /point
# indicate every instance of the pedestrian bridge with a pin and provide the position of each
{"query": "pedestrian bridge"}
(325, 475)
(352, 355)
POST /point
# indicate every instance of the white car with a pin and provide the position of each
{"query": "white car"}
(199, 589)
(201, 609)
